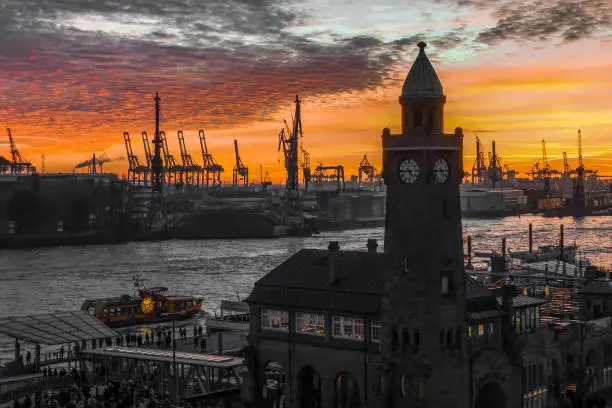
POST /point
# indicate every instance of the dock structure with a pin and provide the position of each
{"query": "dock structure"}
(71, 329)
(180, 374)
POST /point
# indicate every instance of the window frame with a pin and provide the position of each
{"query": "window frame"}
(342, 323)
(300, 321)
(271, 314)
(375, 326)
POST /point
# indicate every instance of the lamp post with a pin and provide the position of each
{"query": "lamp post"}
(176, 389)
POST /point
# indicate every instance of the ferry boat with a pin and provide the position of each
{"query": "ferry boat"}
(147, 305)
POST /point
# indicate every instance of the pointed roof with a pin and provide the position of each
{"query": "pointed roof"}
(422, 80)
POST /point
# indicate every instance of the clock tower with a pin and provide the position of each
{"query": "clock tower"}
(424, 333)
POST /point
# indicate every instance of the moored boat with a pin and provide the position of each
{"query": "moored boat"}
(147, 305)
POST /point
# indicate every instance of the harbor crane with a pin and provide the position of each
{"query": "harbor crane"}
(173, 171)
(135, 169)
(240, 172)
(148, 158)
(211, 168)
(288, 140)
(495, 170)
(305, 165)
(191, 170)
(18, 164)
(546, 174)
(479, 169)
(265, 181)
(368, 170)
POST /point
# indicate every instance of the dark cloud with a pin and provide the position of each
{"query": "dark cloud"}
(215, 62)
(517, 20)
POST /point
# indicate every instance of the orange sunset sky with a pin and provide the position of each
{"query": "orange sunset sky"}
(74, 75)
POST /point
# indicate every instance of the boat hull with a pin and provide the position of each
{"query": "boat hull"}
(225, 224)
(152, 319)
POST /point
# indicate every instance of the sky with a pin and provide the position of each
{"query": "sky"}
(76, 74)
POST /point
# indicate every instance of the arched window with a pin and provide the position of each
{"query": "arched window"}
(346, 393)
(308, 388)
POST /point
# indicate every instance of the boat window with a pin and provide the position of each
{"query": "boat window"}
(105, 312)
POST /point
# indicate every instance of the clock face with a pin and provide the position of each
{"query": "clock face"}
(409, 171)
(147, 305)
(440, 171)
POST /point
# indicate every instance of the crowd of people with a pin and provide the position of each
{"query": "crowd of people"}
(70, 394)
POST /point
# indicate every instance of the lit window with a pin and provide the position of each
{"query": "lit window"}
(347, 327)
(469, 331)
(481, 329)
(274, 319)
(444, 285)
(376, 331)
(310, 323)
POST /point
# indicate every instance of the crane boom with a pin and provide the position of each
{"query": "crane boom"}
(580, 149)
(147, 148)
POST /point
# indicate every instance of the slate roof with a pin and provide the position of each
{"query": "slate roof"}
(596, 287)
(522, 301)
(422, 80)
(303, 281)
(476, 290)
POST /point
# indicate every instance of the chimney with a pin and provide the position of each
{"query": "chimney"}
(372, 245)
(332, 261)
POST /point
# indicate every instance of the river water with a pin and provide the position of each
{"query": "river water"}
(53, 279)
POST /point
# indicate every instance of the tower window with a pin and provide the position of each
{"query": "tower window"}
(418, 119)
(444, 289)
(446, 283)
(444, 209)
(406, 338)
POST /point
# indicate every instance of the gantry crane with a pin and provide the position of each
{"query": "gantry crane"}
(366, 169)
(191, 169)
(135, 169)
(18, 164)
(174, 172)
(545, 169)
(580, 164)
(148, 157)
(330, 174)
(240, 172)
(212, 169)
(479, 169)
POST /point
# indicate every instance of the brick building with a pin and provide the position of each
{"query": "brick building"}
(406, 327)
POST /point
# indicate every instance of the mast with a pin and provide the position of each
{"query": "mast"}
(156, 162)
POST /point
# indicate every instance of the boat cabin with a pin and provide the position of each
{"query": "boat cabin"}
(234, 315)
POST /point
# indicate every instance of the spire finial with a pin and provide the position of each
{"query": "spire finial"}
(422, 45)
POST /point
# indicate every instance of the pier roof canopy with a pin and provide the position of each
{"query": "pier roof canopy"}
(56, 328)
